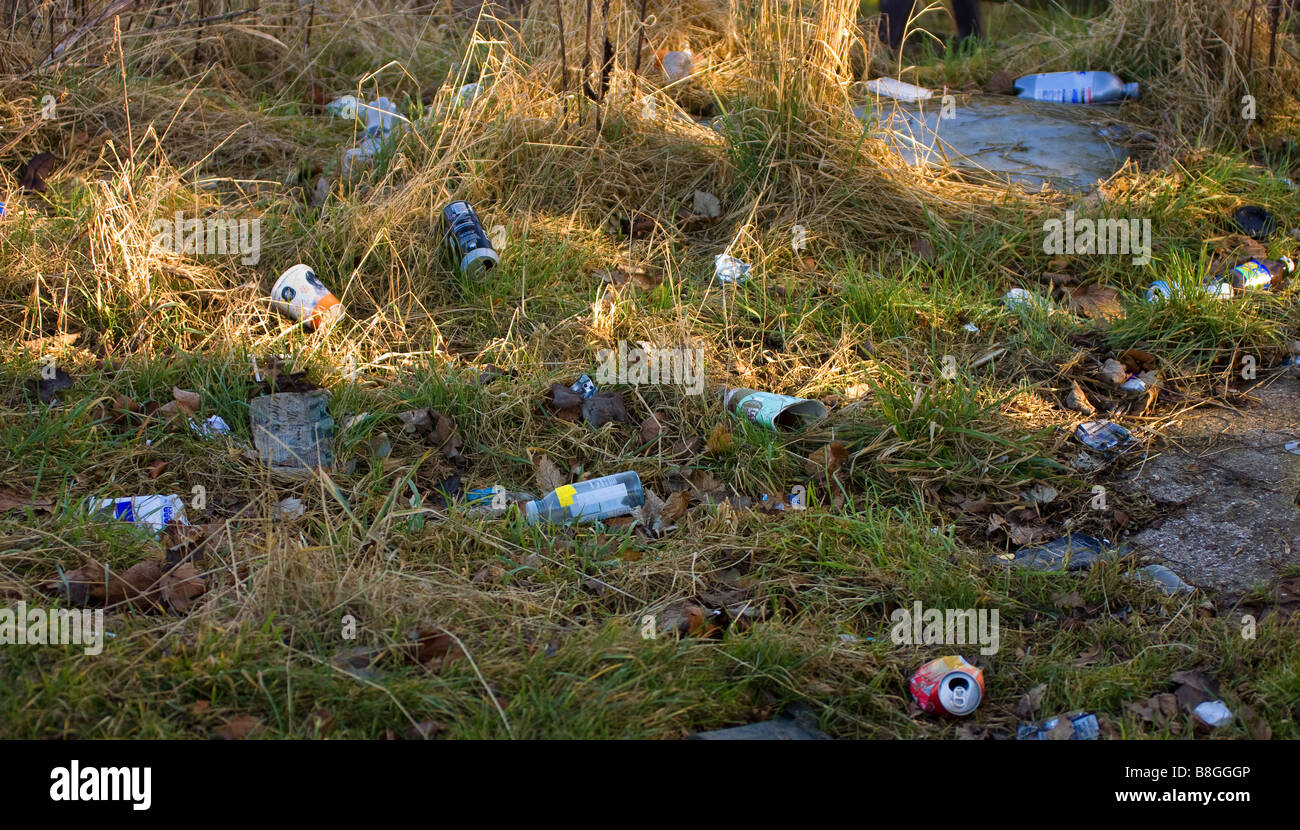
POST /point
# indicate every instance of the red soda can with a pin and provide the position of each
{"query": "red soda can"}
(948, 686)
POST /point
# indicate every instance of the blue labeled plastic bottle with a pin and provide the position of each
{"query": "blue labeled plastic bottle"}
(1075, 87)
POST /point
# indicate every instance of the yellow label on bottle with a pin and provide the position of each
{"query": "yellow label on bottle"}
(565, 494)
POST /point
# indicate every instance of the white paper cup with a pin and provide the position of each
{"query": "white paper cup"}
(300, 294)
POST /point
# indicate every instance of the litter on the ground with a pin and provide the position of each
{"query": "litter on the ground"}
(381, 122)
(212, 427)
(1169, 581)
(728, 269)
(153, 511)
(593, 500)
(774, 411)
(343, 107)
(1075, 87)
(899, 90)
(1213, 713)
(1076, 726)
(677, 64)
(300, 294)
(467, 242)
(584, 386)
(1103, 436)
(948, 686)
(292, 431)
(1254, 221)
(1071, 552)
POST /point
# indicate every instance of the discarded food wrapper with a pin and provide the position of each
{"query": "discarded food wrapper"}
(300, 294)
(1071, 552)
(343, 107)
(972, 328)
(292, 431)
(1135, 384)
(1169, 581)
(1083, 726)
(948, 686)
(468, 94)
(1020, 298)
(212, 427)
(773, 411)
(677, 65)
(899, 90)
(584, 386)
(1103, 436)
(1293, 446)
(1213, 713)
(728, 269)
(154, 511)
(381, 121)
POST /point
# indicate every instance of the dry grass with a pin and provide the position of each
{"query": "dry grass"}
(159, 114)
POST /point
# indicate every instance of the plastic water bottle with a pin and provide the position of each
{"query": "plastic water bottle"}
(1075, 87)
(1254, 275)
(1216, 287)
(589, 501)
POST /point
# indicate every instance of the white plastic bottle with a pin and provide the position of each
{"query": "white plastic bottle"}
(1075, 87)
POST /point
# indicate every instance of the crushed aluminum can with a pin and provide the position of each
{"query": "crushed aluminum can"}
(1103, 436)
(584, 386)
(1083, 727)
(154, 511)
(729, 270)
(948, 686)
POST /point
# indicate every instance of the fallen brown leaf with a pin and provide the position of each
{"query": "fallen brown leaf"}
(827, 460)
(547, 475)
(720, 440)
(1095, 301)
(651, 428)
(12, 498)
(604, 407)
(32, 174)
(239, 727)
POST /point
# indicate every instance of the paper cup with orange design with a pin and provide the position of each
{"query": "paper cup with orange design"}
(300, 294)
